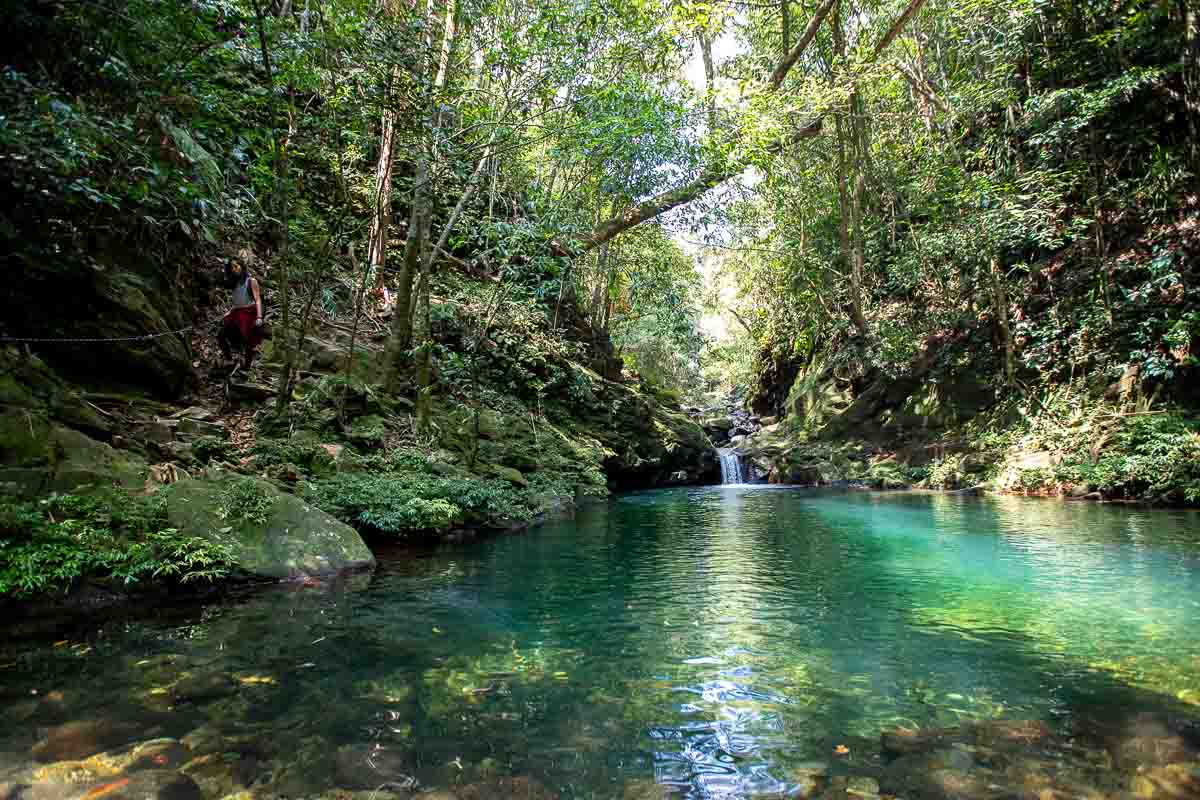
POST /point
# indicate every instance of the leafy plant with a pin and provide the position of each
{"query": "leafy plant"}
(54, 543)
(401, 504)
(243, 500)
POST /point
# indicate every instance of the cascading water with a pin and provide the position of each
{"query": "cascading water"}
(731, 467)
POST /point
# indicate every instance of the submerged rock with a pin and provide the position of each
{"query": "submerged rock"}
(371, 766)
(80, 739)
(1169, 782)
(518, 788)
(272, 535)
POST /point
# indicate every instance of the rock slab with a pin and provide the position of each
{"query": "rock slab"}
(283, 537)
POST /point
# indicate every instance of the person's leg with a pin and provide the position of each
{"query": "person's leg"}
(223, 340)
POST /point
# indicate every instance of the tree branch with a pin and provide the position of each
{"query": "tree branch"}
(715, 175)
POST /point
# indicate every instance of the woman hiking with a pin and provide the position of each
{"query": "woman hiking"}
(244, 322)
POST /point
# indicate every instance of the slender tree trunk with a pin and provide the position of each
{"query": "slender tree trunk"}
(425, 331)
(849, 206)
(845, 215)
(381, 221)
(599, 290)
(1000, 298)
(710, 81)
(1191, 73)
(401, 337)
(785, 12)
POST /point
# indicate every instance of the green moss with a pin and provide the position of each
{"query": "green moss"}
(269, 533)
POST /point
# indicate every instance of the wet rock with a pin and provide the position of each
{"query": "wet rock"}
(149, 785)
(808, 779)
(204, 740)
(221, 774)
(80, 739)
(370, 766)
(248, 392)
(196, 413)
(203, 687)
(69, 772)
(1168, 782)
(519, 788)
(862, 786)
(198, 427)
(644, 789)
(159, 431)
(508, 474)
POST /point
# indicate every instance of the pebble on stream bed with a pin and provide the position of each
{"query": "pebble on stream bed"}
(1140, 757)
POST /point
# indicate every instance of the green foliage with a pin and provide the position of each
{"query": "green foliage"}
(948, 472)
(243, 501)
(110, 535)
(402, 504)
(212, 448)
(1153, 457)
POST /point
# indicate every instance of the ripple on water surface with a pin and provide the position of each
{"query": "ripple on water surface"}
(735, 642)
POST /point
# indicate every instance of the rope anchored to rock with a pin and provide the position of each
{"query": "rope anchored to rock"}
(101, 339)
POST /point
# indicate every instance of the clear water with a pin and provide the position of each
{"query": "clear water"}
(712, 641)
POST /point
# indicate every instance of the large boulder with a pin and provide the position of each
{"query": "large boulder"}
(38, 456)
(129, 297)
(271, 534)
(46, 434)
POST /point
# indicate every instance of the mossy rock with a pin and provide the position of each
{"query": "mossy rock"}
(283, 537)
(39, 456)
(368, 431)
(507, 474)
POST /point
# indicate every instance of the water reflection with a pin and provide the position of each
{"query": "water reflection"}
(711, 643)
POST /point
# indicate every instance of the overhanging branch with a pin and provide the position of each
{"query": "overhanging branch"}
(715, 176)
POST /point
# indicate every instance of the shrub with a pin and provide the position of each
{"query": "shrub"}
(398, 504)
(55, 542)
(946, 473)
(209, 448)
(1152, 457)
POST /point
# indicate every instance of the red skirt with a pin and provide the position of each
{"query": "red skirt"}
(242, 321)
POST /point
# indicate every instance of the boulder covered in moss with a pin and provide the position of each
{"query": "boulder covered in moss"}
(46, 434)
(269, 533)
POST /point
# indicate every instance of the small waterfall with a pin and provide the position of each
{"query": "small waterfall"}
(731, 467)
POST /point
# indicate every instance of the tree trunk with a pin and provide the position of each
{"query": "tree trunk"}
(381, 221)
(1191, 74)
(425, 331)
(284, 389)
(400, 338)
(1000, 298)
(785, 11)
(598, 292)
(849, 207)
(860, 259)
(856, 312)
(710, 81)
